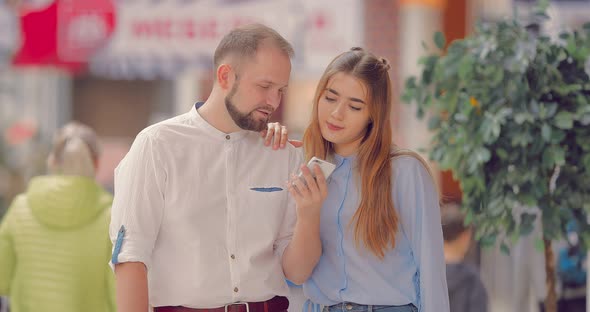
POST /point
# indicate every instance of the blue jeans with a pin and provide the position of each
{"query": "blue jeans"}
(353, 307)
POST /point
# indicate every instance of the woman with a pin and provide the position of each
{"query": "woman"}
(54, 244)
(380, 230)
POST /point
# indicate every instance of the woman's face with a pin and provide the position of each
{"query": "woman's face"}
(343, 113)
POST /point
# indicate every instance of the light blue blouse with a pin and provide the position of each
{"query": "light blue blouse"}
(412, 272)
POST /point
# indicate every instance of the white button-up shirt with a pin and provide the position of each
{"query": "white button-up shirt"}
(206, 212)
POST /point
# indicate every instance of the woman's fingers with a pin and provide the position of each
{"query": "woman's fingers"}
(320, 180)
(309, 179)
(275, 135)
(270, 133)
(284, 136)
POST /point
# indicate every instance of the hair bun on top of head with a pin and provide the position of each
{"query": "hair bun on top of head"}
(385, 63)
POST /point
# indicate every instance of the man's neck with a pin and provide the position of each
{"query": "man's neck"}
(215, 113)
(453, 253)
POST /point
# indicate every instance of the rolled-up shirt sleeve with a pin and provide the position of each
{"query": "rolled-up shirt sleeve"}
(417, 200)
(138, 204)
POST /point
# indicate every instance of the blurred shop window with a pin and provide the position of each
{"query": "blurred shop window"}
(118, 110)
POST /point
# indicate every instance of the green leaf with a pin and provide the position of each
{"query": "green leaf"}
(520, 118)
(521, 139)
(487, 241)
(411, 82)
(586, 161)
(502, 153)
(434, 123)
(468, 217)
(557, 136)
(546, 132)
(550, 109)
(504, 248)
(539, 245)
(527, 223)
(542, 6)
(439, 40)
(429, 68)
(483, 155)
(466, 67)
(459, 117)
(408, 96)
(527, 199)
(571, 46)
(559, 155)
(553, 155)
(564, 120)
(424, 45)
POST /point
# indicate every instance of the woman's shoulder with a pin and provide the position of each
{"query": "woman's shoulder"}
(404, 161)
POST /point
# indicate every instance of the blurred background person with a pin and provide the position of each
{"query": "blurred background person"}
(54, 245)
(466, 290)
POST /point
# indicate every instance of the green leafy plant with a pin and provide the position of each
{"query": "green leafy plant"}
(509, 110)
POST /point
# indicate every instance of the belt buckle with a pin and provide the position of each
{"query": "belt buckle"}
(238, 303)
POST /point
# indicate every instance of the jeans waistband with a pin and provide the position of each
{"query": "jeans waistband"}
(355, 307)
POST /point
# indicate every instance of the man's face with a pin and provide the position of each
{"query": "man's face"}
(259, 88)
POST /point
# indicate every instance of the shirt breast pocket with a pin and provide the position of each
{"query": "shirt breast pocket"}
(267, 202)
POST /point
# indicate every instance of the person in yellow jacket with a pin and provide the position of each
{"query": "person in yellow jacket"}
(54, 243)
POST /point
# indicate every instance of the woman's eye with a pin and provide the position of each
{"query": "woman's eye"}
(264, 87)
(355, 108)
(329, 99)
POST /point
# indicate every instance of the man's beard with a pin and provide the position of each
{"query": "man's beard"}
(245, 121)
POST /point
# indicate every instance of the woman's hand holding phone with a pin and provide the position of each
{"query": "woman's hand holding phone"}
(309, 189)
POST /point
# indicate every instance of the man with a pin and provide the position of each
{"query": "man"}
(466, 290)
(201, 220)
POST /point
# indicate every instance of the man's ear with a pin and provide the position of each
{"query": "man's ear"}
(224, 76)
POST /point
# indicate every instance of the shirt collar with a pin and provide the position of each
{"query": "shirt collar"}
(339, 160)
(212, 131)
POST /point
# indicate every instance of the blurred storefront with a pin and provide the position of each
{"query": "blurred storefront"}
(122, 65)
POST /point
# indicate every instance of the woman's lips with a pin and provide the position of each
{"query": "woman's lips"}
(333, 127)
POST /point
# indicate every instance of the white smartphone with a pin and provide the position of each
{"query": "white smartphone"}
(327, 167)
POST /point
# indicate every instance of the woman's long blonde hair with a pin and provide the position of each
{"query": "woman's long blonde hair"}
(375, 220)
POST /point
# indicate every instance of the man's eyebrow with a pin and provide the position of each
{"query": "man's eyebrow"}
(266, 81)
(351, 98)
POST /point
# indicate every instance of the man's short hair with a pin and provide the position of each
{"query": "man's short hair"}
(452, 222)
(243, 42)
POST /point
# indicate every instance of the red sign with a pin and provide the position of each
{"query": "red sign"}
(66, 33)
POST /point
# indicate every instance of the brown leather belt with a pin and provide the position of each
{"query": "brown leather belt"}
(276, 304)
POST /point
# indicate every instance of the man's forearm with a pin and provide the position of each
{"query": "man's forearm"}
(132, 287)
(303, 252)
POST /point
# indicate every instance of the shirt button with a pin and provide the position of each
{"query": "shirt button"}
(233, 256)
(348, 307)
(235, 289)
(227, 137)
